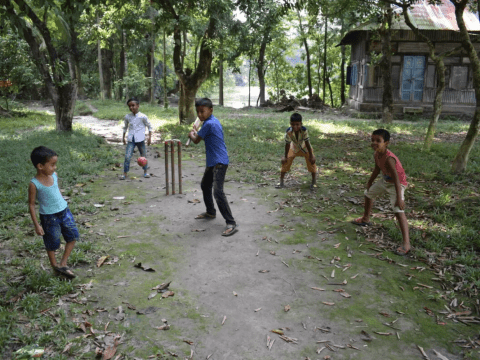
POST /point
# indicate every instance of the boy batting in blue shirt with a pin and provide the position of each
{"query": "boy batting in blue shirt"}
(217, 164)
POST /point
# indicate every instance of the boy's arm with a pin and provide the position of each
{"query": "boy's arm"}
(310, 152)
(194, 136)
(125, 127)
(32, 195)
(390, 165)
(374, 175)
(149, 126)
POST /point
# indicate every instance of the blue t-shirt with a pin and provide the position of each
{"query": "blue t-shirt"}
(212, 133)
(49, 197)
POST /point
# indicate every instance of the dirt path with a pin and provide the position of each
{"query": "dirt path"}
(230, 292)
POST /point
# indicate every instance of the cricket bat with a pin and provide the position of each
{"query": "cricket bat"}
(196, 125)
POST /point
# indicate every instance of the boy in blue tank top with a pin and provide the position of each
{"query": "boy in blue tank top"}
(55, 217)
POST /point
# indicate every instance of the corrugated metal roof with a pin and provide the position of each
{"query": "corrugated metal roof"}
(437, 17)
(425, 17)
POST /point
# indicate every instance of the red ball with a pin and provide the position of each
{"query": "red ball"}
(142, 161)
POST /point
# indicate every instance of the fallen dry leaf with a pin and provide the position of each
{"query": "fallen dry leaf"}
(102, 260)
(109, 352)
(198, 230)
(235, 294)
(67, 348)
(167, 294)
(257, 310)
(277, 331)
(194, 201)
(317, 288)
(163, 327)
(328, 303)
(144, 268)
(345, 295)
(162, 286)
(286, 308)
(224, 319)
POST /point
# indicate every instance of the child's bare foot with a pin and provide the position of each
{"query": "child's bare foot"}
(402, 250)
(361, 221)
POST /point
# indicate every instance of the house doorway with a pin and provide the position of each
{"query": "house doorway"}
(412, 78)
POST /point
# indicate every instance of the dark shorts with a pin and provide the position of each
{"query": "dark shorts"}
(55, 225)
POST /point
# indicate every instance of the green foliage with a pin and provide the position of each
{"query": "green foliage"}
(16, 65)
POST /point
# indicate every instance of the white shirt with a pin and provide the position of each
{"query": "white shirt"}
(136, 125)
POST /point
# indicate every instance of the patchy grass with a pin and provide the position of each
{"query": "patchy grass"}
(27, 287)
(442, 210)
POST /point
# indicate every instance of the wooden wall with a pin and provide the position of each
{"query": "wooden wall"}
(369, 89)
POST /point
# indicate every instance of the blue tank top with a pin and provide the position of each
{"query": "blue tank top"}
(49, 197)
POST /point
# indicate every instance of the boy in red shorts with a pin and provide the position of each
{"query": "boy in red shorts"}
(297, 143)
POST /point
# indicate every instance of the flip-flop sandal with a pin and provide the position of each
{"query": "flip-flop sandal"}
(205, 215)
(401, 251)
(65, 271)
(359, 222)
(279, 186)
(146, 176)
(230, 226)
(122, 177)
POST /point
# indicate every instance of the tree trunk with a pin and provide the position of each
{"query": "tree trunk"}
(437, 104)
(107, 64)
(152, 73)
(325, 60)
(330, 89)
(249, 78)
(152, 61)
(461, 159)
(76, 62)
(100, 71)
(220, 82)
(261, 66)
(100, 66)
(125, 61)
(187, 111)
(386, 66)
(342, 68)
(165, 99)
(121, 68)
(307, 53)
(64, 105)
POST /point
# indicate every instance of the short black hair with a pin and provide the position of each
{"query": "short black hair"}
(383, 133)
(204, 102)
(296, 117)
(41, 154)
(133, 99)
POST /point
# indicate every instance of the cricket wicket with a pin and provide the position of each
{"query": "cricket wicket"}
(172, 150)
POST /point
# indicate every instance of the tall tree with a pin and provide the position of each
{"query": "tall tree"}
(385, 32)
(186, 16)
(461, 159)
(304, 38)
(57, 67)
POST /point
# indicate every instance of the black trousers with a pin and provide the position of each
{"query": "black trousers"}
(213, 178)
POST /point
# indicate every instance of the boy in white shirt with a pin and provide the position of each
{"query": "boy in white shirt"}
(136, 122)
